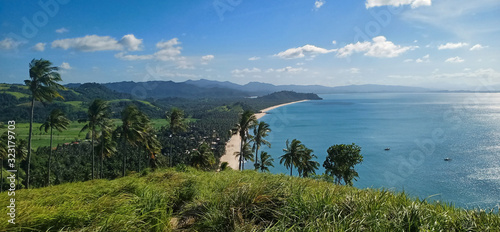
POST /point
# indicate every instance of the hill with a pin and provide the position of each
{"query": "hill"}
(190, 200)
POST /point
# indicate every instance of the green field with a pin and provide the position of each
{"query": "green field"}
(190, 200)
(40, 138)
(16, 94)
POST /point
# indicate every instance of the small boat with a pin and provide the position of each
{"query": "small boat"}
(447, 159)
(387, 149)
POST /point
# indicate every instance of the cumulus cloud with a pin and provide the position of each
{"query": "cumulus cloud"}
(288, 69)
(380, 47)
(455, 59)
(65, 66)
(166, 51)
(245, 70)
(8, 44)
(452, 46)
(254, 58)
(207, 58)
(91, 43)
(319, 3)
(61, 30)
(477, 47)
(300, 52)
(424, 59)
(40, 47)
(396, 3)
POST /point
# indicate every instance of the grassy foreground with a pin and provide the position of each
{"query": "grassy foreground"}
(169, 200)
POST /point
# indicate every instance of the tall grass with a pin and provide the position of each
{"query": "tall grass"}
(170, 200)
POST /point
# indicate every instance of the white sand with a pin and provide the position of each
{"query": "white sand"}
(233, 145)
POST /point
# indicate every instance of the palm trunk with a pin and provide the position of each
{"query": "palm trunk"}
(50, 156)
(93, 158)
(256, 157)
(29, 141)
(102, 157)
(291, 169)
(241, 153)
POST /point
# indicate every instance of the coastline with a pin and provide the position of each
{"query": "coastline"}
(233, 145)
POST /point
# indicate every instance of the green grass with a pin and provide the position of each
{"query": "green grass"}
(128, 100)
(16, 94)
(76, 104)
(168, 200)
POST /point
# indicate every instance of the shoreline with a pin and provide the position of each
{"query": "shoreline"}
(233, 145)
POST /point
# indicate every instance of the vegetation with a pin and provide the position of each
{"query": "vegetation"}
(340, 162)
(191, 200)
(260, 131)
(43, 87)
(247, 121)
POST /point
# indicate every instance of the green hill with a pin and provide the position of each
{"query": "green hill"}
(170, 200)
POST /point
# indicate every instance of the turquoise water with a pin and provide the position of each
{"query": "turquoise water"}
(421, 131)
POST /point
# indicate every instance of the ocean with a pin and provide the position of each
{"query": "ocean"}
(421, 130)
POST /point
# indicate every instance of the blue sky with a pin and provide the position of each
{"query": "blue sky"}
(446, 44)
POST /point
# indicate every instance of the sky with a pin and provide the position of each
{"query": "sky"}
(440, 44)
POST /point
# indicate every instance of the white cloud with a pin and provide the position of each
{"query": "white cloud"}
(334, 42)
(65, 66)
(91, 43)
(8, 44)
(62, 30)
(301, 52)
(452, 46)
(354, 70)
(423, 59)
(166, 51)
(254, 58)
(380, 47)
(319, 3)
(246, 70)
(455, 59)
(207, 58)
(288, 69)
(39, 47)
(408, 60)
(413, 3)
(477, 47)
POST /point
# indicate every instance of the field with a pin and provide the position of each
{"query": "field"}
(40, 138)
(188, 200)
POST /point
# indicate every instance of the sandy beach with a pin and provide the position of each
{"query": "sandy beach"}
(233, 145)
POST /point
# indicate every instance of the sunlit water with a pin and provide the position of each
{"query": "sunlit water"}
(421, 131)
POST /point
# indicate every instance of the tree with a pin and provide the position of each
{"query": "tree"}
(260, 131)
(56, 120)
(306, 166)
(293, 151)
(177, 124)
(340, 162)
(247, 120)
(43, 87)
(151, 145)
(107, 144)
(246, 154)
(21, 155)
(203, 158)
(97, 118)
(133, 128)
(265, 162)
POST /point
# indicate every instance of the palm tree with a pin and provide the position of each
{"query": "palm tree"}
(151, 145)
(306, 165)
(265, 162)
(245, 155)
(260, 130)
(43, 87)
(107, 144)
(177, 124)
(97, 116)
(58, 121)
(133, 128)
(292, 154)
(247, 120)
(21, 154)
(203, 158)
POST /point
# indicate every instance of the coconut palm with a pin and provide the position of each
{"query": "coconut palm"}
(21, 154)
(306, 166)
(203, 158)
(151, 145)
(107, 145)
(247, 154)
(133, 128)
(293, 151)
(247, 120)
(43, 87)
(260, 130)
(97, 118)
(177, 124)
(265, 162)
(56, 120)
